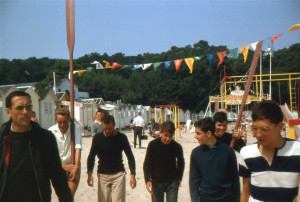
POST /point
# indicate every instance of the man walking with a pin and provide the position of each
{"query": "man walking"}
(138, 128)
(62, 133)
(28, 156)
(108, 146)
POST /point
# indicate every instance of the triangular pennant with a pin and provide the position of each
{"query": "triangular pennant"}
(233, 53)
(177, 64)
(210, 58)
(146, 66)
(167, 64)
(156, 64)
(221, 56)
(190, 63)
(136, 66)
(245, 50)
(98, 65)
(294, 27)
(269, 44)
(116, 65)
(89, 69)
(107, 64)
(275, 37)
(126, 66)
(253, 45)
(198, 57)
(80, 72)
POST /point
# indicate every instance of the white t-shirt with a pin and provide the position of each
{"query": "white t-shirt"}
(138, 121)
(63, 142)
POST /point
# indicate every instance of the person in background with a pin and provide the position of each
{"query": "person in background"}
(138, 128)
(220, 120)
(33, 117)
(96, 125)
(154, 132)
(270, 168)
(109, 146)
(29, 157)
(213, 167)
(62, 133)
(164, 165)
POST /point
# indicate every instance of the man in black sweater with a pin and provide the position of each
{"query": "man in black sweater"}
(108, 146)
(220, 120)
(28, 156)
(164, 165)
(213, 167)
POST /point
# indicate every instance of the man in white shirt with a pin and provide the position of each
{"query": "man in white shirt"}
(138, 127)
(62, 133)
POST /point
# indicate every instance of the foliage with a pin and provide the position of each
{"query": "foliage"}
(149, 87)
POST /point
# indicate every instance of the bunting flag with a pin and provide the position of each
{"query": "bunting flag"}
(89, 69)
(221, 56)
(98, 65)
(190, 63)
(210, 58)
(136, 66)
(116, 65)
(253, 45)
(79, 72)
(294, 27)
(275, 37)
(177, 64)
(198, 57)
(146, 66)
(269, 43)
(126, 66)
(245, 50)
(167, 64)
(233, 53)
(107, 64)
(156, 64)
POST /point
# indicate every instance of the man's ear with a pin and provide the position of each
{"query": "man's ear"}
(209, 134)
(281, 125)
(8, 112)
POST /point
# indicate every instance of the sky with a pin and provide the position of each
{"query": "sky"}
(37, 28)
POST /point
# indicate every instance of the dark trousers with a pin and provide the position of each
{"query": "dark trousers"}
(170, 188)
(137, 132)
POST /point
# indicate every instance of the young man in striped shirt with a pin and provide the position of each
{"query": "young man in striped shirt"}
(270, 168)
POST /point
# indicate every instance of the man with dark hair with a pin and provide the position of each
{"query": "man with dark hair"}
(271, 167)
(28, 156)
(108, 146)
(220, 120)
(213, 167)
(138, 128)
(164, 165)
(62, 133)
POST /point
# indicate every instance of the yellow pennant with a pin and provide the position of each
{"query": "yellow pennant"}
(190, 63)
(245, 50)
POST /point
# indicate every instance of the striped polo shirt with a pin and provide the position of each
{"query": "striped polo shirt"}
(275, 182)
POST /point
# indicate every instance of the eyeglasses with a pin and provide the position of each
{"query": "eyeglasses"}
(262, 129)
(21, 107)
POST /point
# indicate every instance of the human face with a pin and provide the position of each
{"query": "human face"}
(98, 117)
(266, 132)
(221, 128)
(166, 137)
(20, 113)
(109, 129)
(201, 136)
(62, 122)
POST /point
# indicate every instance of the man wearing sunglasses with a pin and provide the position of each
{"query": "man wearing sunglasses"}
(271, 167)
(28, 156)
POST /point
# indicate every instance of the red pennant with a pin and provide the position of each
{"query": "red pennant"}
(177, 64)
(221, 56)
(116, 65)
(275, 37)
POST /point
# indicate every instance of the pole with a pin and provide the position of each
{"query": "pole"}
(247, 88)
(260, 70)
(270, 90)
(54, 83)
(70, 21)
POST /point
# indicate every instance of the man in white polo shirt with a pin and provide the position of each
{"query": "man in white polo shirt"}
(138, 127)
(62, 133)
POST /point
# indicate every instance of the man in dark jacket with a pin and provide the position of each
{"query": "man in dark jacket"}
(28, 156)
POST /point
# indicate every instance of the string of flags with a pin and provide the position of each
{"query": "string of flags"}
(231, 53)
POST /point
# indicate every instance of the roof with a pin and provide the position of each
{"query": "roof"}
(59, 95)
(6, 88)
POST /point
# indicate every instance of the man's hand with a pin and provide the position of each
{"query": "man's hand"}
(236, 134)
(149, 187)
(132, 181)
(74, 175)
(90, 179)
(68, 167)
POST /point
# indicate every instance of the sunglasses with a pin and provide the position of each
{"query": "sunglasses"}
(21, 107)
(262, 129)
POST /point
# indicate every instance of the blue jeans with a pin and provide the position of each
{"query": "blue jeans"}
(170, 188)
